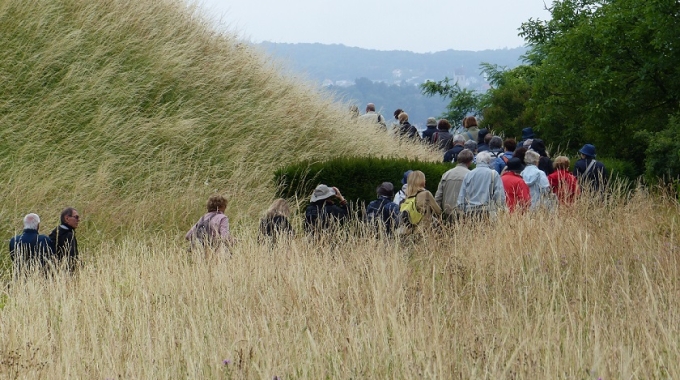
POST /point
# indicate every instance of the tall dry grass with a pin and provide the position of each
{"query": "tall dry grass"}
(589, 292)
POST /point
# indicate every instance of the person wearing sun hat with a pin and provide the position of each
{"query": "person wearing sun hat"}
(323, 212)
(591, 173)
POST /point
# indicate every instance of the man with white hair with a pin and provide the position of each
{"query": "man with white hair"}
(481, 194)
(451, 155)
(29, 248)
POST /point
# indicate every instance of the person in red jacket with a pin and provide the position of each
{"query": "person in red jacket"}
(517, 194)
(564, 184)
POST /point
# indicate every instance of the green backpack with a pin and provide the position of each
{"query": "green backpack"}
(409, 213)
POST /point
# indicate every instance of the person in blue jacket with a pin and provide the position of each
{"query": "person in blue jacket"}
(30, 249)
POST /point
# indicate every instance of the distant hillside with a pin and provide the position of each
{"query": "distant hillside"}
(342, 63)
(349, 71)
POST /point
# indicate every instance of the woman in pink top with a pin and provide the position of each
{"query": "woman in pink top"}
(213, 227)
(563, 183)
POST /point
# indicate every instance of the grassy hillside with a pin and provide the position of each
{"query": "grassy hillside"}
(135, 111)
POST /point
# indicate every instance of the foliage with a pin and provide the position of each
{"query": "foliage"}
(356, 177)
(662, 158)
(463, 102)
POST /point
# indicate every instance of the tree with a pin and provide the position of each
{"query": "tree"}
(463, 102)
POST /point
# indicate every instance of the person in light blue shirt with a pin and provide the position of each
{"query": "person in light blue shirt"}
(535, 178)
(481, 194)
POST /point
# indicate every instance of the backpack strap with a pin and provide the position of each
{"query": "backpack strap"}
(505, 159)
(590, 166)
(469, 135)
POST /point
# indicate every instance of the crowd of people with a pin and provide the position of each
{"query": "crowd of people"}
(507, 175)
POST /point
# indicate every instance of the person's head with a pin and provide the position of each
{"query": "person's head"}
(539, 146)
(216, 202)
(397, 112)
(561, 163)
(386, 189)
(487, 138)
(465, 157)
(31, 222)
(404, 179)
(370, 107)
(484, 158)
(458, 140)
(527, 133)
(322, 193)
(588, 151)
(495, 143)
(471, 122)
(69, 217)
(443, 125)
(481, 136)
(403, 117)
(520, 153)
(471, 145)
(510, 144)
(431, 122)
(416, 182)
(514, 165)
(278, 207)
(531, 157)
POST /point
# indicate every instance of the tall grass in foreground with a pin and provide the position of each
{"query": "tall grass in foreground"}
(590, 292)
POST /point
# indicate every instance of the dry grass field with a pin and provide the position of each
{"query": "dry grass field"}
(135, 112)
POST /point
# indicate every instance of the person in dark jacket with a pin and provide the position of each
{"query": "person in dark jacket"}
(590, 173)
(64, 243)
(443, 137)
(544, 163)
(30, 249)
(482, 142)
(405, 127)
(322, 213)
(451, 155)
(275, 225)
(430, 131)
(382, 211)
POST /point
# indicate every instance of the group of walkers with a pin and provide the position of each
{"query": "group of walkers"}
(30, 250)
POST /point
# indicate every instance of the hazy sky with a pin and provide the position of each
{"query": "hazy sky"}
(420, 26)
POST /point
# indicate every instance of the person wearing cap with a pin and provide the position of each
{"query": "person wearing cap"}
(383, 210)
(449, 186)
(430, 130)
(323, 213)
(535, 178)
(401, 194)
(563, 184)
(591, 173)
(517, 195)
(30, 249)
(527, 134)
(373, 117)
(481, 194)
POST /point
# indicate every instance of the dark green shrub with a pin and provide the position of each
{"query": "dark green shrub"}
(356, 177)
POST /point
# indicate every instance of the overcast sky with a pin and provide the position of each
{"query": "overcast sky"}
(415, 25)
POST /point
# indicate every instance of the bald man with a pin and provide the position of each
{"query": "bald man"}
(372, 116)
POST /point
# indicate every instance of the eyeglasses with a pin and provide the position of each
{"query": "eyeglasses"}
(76, 217)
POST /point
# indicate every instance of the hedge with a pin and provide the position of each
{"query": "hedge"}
(356, 177)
